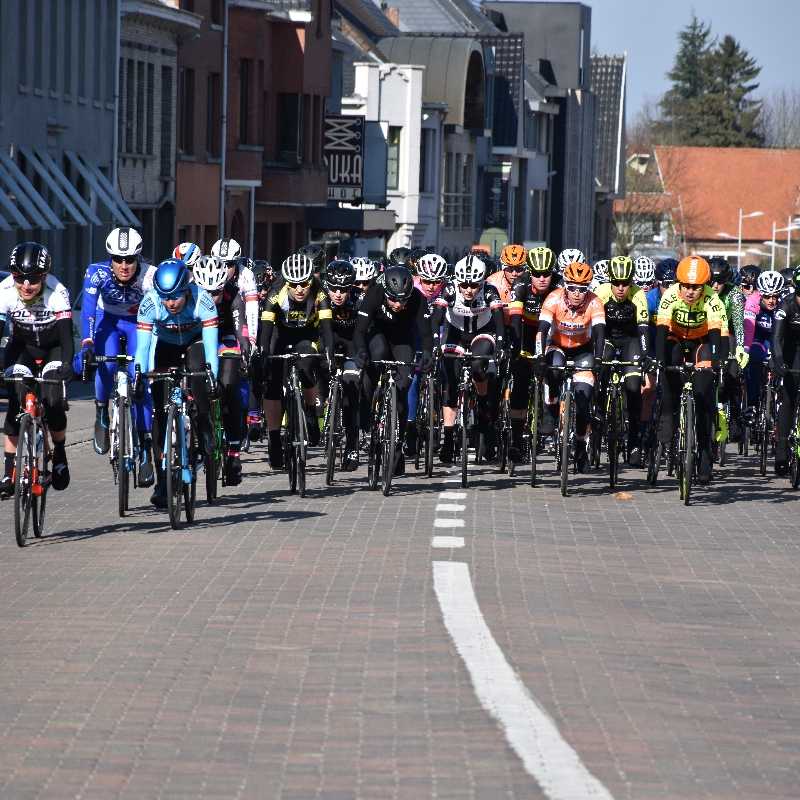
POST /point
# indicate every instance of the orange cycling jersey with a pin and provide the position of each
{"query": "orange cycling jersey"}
(571, 327)
(506, 291)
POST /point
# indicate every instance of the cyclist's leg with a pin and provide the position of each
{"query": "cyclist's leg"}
(584, 389)
(705, 405)
(453, 337)
(555, 357)
(55, 414)
(670, 392)
(521, 370)
(731, 392)
(351, 384)
(106, 343)
(631, 350)
(196, 361)
(17, 355)
(309, 371)
(483, 376)
(754, 375)
(229, 380)
(788, 398)
(165, 356)
(273, 407)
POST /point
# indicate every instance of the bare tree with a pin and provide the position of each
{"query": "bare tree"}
(780, 118)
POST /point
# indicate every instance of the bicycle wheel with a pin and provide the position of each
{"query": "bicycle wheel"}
(190, 487)
(654, 456)
(505, 432)
(24, 479)
(299, 443)
(613, 433)
(121, 438)
(174, 477)
(39, 505)
(389, 439)
(687, 450)
(534, 410)
(432, 425)
(794, 445)
(374, 456)
(564, 437)
(464, 419)
(332, 431)
(765, 432)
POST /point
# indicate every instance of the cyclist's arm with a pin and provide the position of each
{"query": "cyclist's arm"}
(64, 328)
(211, 344)
(89, 306)
(737, 316)
(367, 309)
(778, 334)
(515, 313)
(642, 321)
(598, 312)
(423, 325)
(661, 341)
(145, 321)
(326, 325)
(268, 317)
(750, 314)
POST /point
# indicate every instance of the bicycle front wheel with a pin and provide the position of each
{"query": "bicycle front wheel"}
(565, 435)
(172, 457)
(534, 410)
(432, 425)
(120, 456)
(24, 480)
(613, 429)
(794, 445)
(687, 447)
(332, 432)
(464, 419)
(299, 443)
(389, 440)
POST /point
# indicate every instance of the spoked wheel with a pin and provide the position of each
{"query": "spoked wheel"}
(686, 452)
(375, 450)
(332, 432)
(299, 443)
(763, 441)
(565, 423)
(24, 480)
(190, 489)
(534, 410)
(39, 505)
(389, 441)
(613, 443)
(505, 433)
(432, 425)
(211, 468)
(174, 478)
(464, 419)
(794, 444)
(123, 476)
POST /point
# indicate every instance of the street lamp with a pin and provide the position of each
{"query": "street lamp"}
(791, 225)
(739, 238)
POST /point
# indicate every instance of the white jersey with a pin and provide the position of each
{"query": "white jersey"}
(147, 279)
(35, 321)
(248, 290)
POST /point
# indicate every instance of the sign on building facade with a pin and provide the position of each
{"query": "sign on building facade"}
(343, 150)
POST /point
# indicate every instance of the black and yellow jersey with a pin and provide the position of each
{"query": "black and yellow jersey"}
(623, 317)
(283, 311)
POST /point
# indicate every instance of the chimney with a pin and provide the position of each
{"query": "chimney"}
(391, 13)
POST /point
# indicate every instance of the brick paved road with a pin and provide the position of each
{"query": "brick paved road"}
(295, 648)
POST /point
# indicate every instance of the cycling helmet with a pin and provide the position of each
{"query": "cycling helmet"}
(795, 279)
(226, 249)
(399, 256)
(470, 269)
(432, 267)
(770, 282)
(721, 271)
(210, 273)
(30, 260)
(513, 255)
(578, 272)
(263, 272)
(569, 256)
(365, 269)
(125, 242)
(540, 260)
(415, 255)
(340, 274)
(398, 283)
(315, 253)
(693, 270)
(600, 271)
(298, 268)
(621, 269)
(171, 279)
(188, 252)
(665, 270)
(644, 271)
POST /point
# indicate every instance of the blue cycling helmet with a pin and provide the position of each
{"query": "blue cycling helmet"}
(171, 279)
(666, 270)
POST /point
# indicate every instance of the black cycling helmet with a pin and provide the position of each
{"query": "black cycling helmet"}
(666, 269)
(399, 256)
(721, 271)
(263, 272)
(30, 260)
(398, 283)
(749, 274)
(340, 274)
(315, 253)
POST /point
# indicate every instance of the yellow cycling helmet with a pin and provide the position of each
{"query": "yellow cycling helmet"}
(540, 260)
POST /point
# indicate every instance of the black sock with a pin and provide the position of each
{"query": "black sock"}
(275, 439)
(10, 459)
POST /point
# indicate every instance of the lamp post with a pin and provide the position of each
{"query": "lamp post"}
(739, 238)
(791, 225)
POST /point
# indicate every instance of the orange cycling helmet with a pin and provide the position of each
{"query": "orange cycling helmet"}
(513, 255)
(577, 272)
(693, 270)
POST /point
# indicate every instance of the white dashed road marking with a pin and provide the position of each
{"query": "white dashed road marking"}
(451, 507)
(448, 523)
(530, 731)
(447, 541)
(453, 496)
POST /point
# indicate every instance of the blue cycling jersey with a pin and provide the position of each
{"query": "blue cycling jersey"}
(102, 292)
(197, 318)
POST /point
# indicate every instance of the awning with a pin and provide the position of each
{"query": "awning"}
(103, 189)
(30, 209)
(368, 220)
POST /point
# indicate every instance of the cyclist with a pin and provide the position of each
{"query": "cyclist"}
(176, 318)
(37, 307)
(644, 273)
(472, 312)
(599, 274)
(265, 277)
(572, 327)
(339, 281)
(524, 310)
(627, 334)
(188, 252)
(759, 314)
(513, 260)
(391, 318)
(240, 272)
(112, 291)
(789, 286)
(733, 300)
(234, 349)
(690, 323)
(566, 257)
(366, 272)
(399, 257)
(296, 318)
(748, 275)
(785, 356)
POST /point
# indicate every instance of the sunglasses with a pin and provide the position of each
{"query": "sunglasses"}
(339, 289)
(428, 282)
(303, 285)
(32, 280)
(471, 284)
(513, 269)
(576, 288)
(620, 284)
(748, 287)
(124, 259)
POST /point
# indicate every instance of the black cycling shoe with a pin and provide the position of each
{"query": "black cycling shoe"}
(515, 454)
(6, 487)
(350, 461)
(60, 473)
(781, 468)
(102, 442)
(275, 450)
(233, 471)
(399, 465)
(446, 451)
(146, 475)
(705, 468)
(548, 426)
(159, 497)
(312, 426)
(581, 457)
(410, 443)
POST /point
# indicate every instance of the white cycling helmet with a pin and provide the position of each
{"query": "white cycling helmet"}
(124, 242)
(298, 268)
(226, 249)
(365, 269)
(770, 282)
(470, 270)
(209, 273)
(188, 252)
(569, 256)
(432, 267)
(600, 271)
(644, 271)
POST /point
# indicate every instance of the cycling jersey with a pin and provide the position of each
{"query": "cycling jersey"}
(468, 316)
(430, 293)
(198, 318)
(693, 321)
(624, 317)
(758, 322)
(231, 311)
(505, 290)
(344, 317)
(36, 321)
(282, 310)
(733, 299)
(403, 326)
(103, 292)
(527, 302)
(569, 327)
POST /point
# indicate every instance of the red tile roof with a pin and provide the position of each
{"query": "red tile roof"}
(711, 184)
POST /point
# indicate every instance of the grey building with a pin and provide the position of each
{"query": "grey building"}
(58, 85)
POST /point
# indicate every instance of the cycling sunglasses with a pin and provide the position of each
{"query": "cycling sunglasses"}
(429, 282)
(33, 280)
(748, 287)
(471, 284)
(576, 288)
(299, 285)
(620, 284)
(124, 259)
(517, 268)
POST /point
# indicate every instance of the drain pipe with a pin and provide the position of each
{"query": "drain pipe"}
(117, 53)
(223, 120)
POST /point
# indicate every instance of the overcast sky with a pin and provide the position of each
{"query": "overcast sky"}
(648, 30)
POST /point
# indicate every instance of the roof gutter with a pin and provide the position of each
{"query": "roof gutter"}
(619, 125)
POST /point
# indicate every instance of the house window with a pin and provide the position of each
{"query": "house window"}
(245, 78)
(140, 87)
(427, 159)
(151, 96)
(167, 122)
(129, 104)
(187, 5)
(289, 131)
(393, 157)
(186, 111)
(213, 115)
(457, 206)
